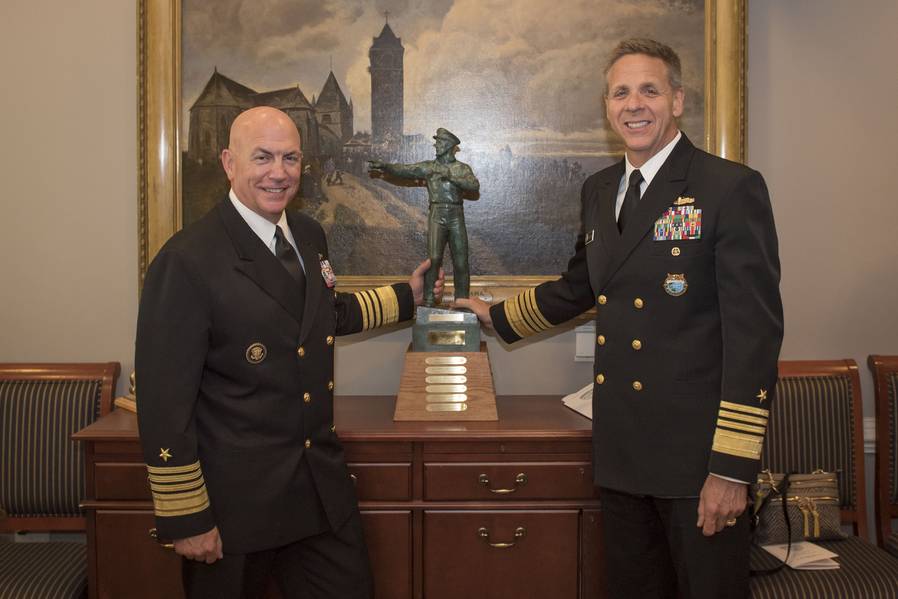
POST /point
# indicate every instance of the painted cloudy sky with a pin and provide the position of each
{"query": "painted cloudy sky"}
(523, 72)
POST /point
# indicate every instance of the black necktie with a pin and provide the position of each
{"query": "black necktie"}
(631, 198)
(287, 255)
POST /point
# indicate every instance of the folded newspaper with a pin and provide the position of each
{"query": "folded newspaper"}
(805, 556)
(580, 401)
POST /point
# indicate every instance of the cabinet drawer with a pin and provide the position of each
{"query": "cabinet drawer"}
(382, 482)
(121, 480)
(501, 554)
(511, 480)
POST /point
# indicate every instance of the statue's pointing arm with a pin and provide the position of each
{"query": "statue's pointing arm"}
(419, 170)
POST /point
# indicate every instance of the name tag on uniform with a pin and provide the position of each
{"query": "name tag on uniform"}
(678, 223)
(327, 272)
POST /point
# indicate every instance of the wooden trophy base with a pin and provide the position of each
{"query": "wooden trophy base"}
(446, 386)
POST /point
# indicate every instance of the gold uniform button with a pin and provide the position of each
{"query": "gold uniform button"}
(602, 300)
(637, 386)
(637, 344)
(638, 303)
(330, 340)
(600, 378)
(674, 251)
(308, 443)
(330, 385)
(600, 339)
(301, 352)
(306, 397)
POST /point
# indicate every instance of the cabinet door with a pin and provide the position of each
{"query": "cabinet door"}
(388, 535)
(131, 564)
(501, 554)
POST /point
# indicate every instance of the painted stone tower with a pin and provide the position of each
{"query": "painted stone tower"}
(386, 55)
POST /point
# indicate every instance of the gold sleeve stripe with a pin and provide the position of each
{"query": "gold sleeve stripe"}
(168, 470)
(737, 444)
(524, 316)
(176, 478)
(514, 318)
(533, 309)
(194, 484)
(180, 504)
(744, 409)
(389, 303)
(367, 310)
(743, 417)
(740, 427)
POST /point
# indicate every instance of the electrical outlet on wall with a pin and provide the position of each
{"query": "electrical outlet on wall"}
(585, 346)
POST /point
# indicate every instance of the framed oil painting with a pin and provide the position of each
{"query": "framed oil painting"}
(519, 82)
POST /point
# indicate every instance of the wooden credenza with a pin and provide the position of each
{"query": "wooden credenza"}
(477, 509)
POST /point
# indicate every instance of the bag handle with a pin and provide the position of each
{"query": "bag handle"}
(781, 490)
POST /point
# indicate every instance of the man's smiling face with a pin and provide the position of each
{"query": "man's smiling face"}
(642, 106)
(264, 161)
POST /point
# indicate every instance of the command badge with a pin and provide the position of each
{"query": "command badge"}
(675, 285)
(327, 273)
(255, 353)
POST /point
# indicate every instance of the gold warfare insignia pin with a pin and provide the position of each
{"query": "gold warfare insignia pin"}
(675, 284)
(165, 454)
(683, 201)
(255, 353)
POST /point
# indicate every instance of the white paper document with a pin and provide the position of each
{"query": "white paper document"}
(580, 401)
(805, 556)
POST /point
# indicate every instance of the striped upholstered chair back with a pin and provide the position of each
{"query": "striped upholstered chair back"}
(816, 423)
(885, 379)
(42, 472)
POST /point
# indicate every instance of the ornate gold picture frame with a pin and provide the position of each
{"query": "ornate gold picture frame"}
(160, 126)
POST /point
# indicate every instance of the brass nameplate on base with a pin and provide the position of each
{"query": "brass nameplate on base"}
(446, 386)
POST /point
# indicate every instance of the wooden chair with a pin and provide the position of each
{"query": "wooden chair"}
(42, 472)
(816, 422)
(885, 379)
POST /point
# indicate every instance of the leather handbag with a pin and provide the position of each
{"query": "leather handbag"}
(811, 507)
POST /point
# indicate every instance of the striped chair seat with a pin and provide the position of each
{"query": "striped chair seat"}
(43, 570)
(885, 379)
(865, 572)
(815, 423)
(42, 472)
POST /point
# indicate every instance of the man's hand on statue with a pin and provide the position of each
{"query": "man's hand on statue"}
(478, 307)
(416, 282)
(204, 547)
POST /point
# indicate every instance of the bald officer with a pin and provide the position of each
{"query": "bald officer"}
(234, 362)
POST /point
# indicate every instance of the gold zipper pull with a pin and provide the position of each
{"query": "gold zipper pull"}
(805, 514)
(816, 514)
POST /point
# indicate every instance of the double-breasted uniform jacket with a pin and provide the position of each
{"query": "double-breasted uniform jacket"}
(688, 323)
(235, 383)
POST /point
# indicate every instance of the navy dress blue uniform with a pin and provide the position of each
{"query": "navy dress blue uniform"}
(688, 321)
(235, 383)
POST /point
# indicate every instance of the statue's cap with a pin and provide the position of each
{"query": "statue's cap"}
(447, 135)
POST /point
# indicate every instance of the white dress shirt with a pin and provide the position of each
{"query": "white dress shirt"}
(264, 228)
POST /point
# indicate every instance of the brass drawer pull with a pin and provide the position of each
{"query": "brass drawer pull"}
(519, 533)
(519, 481)
(155, 536)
